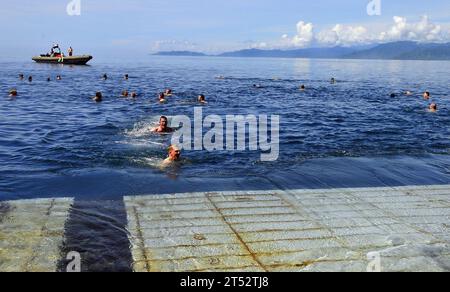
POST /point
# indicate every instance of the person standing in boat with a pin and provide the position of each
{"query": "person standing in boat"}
(70, 51)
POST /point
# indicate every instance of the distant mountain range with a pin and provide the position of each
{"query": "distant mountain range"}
(181, 53)
(390, 51)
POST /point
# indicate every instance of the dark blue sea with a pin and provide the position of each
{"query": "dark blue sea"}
(55, 142)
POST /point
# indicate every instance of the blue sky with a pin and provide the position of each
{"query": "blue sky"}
(117, 27)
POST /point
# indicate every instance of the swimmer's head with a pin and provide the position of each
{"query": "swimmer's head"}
(426, 95)
(393, 95)
(201, 98)
(105, 77)
(126, 77)
(21, 76)
(168, 92)
(303, 87)
(98, 97)
(30, 78)
(433, 107)
(48, 79)
(174, 153)
(163, 122)
(13, 92)
(134, 95)
(408, 92)
(125, 93)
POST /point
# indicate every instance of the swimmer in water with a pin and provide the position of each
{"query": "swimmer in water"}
(21, 77)
(393, 95)
(168, 92)
(163, 126)
(408, 93)
(125, 93)
(48, 79)
(13, 93)
(303, 88)
(134, 95)
(333, 80)
(126, 77)
(426, 95)
(162, 98)
(174, 154)
(202, 99)
(98, 97)
(59, 77)
(30, 79)
(105, 77)
(257, 86)
(433, 107)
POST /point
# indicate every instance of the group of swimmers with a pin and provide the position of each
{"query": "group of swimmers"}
(162, 97)
(13, 92)
(426, 95)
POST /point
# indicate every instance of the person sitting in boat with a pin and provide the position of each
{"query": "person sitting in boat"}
(56, 51)
(163, 126)
(70, 51)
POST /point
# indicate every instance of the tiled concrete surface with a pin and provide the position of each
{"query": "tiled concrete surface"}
(31, 233)
(394, 229)
(406, 228)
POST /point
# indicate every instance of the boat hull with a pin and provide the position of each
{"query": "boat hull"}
(74, 60)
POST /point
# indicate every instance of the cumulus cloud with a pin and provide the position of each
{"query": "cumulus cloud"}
(423, 31)
(305, 34)
(346, 35)
(343, 35)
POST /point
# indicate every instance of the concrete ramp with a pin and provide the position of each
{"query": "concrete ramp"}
(375, 229)
(31, 233)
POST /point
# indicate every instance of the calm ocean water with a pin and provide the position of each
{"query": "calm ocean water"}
(54, 141)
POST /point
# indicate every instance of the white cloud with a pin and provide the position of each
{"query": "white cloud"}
(305, 34)
(423, 31)
(346, 35)
(343, 35)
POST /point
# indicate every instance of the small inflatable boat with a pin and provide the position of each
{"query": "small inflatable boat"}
(73, 60)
